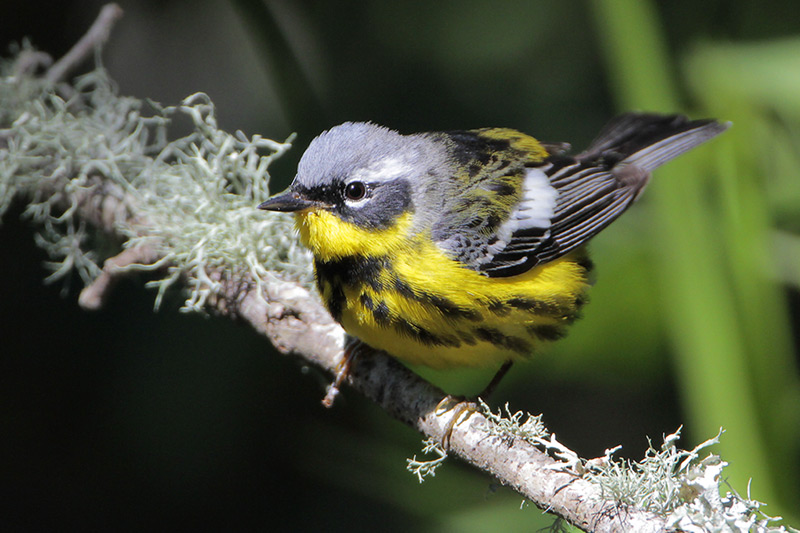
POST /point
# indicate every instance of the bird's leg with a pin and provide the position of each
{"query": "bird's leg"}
(469, 405)
(351, 349)
(498, 377)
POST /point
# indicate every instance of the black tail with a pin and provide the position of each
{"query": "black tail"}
(648, 140)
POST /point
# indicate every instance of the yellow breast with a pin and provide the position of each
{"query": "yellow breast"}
(404, 295)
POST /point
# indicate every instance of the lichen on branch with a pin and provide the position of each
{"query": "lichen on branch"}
(96, 157)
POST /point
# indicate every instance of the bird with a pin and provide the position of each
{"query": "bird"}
(468, 247)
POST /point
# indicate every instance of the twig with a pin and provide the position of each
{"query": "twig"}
(97, 35)
(94, 295)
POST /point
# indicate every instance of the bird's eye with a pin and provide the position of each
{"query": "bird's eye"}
(355, 190)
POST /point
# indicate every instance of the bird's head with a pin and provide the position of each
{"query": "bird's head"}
(355, 189)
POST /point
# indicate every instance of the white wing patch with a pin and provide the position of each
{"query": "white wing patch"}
(536, 209)
(538, 204)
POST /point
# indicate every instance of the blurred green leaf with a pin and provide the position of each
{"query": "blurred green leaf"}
(727, 318)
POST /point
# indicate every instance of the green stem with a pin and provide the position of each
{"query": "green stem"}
(711, 358)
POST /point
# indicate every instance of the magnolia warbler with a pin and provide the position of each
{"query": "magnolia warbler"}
(466, 248)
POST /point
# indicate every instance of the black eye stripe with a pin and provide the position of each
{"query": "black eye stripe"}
(322, 193)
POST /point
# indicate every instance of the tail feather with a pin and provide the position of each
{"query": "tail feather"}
(649, 140)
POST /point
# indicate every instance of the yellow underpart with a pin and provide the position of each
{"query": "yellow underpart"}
(330, 238)
(559, 283)
(421, 265)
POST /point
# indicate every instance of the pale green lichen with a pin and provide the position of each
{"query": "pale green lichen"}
(656, 483)
(202, 209)
(685, 488)
(511, 424)
(194, 197)
(423, 469)
(681, 486)
(531, 429)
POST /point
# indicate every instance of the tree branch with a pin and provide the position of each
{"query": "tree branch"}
(297, 324)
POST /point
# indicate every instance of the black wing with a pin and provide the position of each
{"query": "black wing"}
(599, 184)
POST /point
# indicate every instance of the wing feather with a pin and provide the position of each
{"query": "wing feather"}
(563, 201)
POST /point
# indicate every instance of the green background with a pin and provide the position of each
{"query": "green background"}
(131, 419)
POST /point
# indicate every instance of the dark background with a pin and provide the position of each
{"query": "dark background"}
(127, 418)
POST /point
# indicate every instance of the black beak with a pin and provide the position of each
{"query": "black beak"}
(288, 201)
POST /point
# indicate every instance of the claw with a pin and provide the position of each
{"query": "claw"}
(467, 405)
(462, 407)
